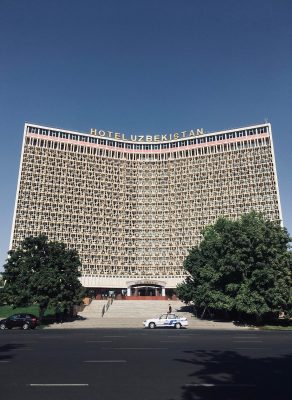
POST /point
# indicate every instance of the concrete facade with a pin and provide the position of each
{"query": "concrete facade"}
(133, 209)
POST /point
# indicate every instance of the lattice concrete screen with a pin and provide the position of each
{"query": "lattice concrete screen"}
(132, 210)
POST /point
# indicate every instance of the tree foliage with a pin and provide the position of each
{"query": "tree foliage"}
(241, 266)
(43, 272)
(2, 297)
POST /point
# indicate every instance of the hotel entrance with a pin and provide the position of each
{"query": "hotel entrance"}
(146, 290)
(142, 290)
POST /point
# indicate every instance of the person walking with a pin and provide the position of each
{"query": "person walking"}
(169, 309)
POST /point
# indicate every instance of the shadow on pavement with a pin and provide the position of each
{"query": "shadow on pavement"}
(53, 319)
(5, 351)
(231, 376)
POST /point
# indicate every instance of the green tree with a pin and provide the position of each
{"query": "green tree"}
(43, 272)
(2, 297)
(241, 266)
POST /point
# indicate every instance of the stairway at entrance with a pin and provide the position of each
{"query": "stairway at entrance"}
(146, 298)
(140, 308)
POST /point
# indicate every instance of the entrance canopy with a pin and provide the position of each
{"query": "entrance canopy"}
(145, 288)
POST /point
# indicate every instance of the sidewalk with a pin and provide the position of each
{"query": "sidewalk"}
(93, 322)
(132, 313)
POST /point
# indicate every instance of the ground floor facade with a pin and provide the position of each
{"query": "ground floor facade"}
(126, 289)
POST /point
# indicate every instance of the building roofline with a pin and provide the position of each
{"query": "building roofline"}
(127, 140)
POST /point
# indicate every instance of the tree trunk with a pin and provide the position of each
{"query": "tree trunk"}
(42, 313)
(258, 319)
(203, 313)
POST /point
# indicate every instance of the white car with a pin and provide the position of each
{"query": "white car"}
(166, 320)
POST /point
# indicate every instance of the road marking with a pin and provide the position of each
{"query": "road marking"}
(20, 344)
(105, 361)
(98, 341)
(183, 335)
(219, 385)
(249, 348)
(58, 384)
(23, 348)
(167, 341)
(134, 348)
(50, 337)
(247, 341)
(245, 336)
(115, 336)
(4, 361)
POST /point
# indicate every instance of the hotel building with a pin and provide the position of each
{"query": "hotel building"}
(132, 207)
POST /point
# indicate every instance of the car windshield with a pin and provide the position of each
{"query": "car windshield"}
(14, 317)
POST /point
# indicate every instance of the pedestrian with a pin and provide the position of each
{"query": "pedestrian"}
(169, 309)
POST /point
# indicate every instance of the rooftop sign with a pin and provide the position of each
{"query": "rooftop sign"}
(148, 138)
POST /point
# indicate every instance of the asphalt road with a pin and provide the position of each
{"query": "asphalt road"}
(111, 364)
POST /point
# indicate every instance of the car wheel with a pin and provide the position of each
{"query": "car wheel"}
(2, 326)
(177, 325)
(151, 325)
(25, 326)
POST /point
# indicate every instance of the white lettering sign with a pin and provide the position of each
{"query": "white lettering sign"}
(148, 138)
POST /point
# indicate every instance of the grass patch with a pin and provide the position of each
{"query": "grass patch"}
(6, 311)
(276, 328)
(50, 315)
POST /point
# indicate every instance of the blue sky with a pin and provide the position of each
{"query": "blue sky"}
(141, 67)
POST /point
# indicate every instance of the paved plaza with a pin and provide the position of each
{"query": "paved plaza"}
(131, 314)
